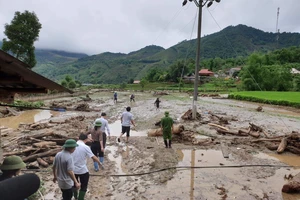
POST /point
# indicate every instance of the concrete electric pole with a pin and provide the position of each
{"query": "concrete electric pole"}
(199, 4)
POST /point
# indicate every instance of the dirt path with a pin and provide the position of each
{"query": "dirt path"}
(144, 154)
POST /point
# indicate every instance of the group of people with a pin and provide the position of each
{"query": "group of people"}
(70, 169)
(132, 97)
(70, 165)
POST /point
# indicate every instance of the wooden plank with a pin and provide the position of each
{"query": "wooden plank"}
(225, 150)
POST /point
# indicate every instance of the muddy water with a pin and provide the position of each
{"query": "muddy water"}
(29, 116)
(237, 183)
(290, 159)
(115, 130)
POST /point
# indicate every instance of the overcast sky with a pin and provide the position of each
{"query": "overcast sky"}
(96, 26)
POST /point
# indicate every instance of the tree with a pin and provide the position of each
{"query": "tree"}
(21, 34)
(143, 82)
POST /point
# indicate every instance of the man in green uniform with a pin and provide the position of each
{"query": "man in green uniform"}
(167, 126)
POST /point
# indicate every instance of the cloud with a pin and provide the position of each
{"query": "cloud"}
(94, 26)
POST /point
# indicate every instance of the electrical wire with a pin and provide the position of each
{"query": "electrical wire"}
(253, 79)
(180, 168)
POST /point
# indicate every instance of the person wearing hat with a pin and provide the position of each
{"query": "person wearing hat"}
(167, 126)
(80, 155)
(63, 169)
(97, 142)
(126, 120)
(104, 128)
(11, 167)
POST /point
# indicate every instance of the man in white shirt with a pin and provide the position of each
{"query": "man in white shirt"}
(106, 131)
(126, 121)
(81, 171)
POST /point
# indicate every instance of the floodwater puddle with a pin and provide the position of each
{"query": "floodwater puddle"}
(289, 159)
(218, 181)
(29, 116)
(118, 159)
(115, 130)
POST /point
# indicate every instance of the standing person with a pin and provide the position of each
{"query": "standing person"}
(11, 167)
(63, 169)
(132, 98)
(104, 128)
(126, 120)
(167, 127)
(156, 103)
(80, 155)
(97, 142)
(115, 97)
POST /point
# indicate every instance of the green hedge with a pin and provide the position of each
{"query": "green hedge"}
(265, 101)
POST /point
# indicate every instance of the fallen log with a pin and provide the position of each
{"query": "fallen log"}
(293, 149)
(272, 146)
(266, 140)
(40, 135)
(44, 144)
(29, 149)
(254, 127)
(222, 120)
(29, 141)
(49, 159)
(249, 132)
(177, 129)
(231, 132)
(42, 162)
(219, 126)
(51, 152)
(282, 145)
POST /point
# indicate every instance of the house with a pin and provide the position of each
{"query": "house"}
(205, 72)
(17, 77)
(136, 82)
(295, 71)
(233, 70)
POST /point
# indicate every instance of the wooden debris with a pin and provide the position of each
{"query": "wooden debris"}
(222, 131)
(259, 109)
(42, 162)
(178, 128)
(29, 149)
(272, 146)
(44, 144)
(43, 154)
(282, 145)
(219, 126)
(188, 115)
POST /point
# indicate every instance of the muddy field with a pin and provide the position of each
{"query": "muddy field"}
(195, 168)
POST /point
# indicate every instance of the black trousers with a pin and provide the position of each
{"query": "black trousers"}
(101, 154)
(84, 180)
(67, 194)
(96, 148)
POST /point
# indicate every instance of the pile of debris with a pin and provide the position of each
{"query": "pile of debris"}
(188, 115)
(37, 150)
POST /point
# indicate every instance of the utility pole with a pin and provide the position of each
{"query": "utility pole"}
(277, 30)
(199, 4)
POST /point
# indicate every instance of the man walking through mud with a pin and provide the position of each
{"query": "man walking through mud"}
(103, 129)
(80, 155)
(167, 127)
(126, 121)
(63, 169)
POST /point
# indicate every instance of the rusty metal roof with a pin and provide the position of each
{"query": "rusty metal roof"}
(17, 77)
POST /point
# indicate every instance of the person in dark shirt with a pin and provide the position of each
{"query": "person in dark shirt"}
(156, 103)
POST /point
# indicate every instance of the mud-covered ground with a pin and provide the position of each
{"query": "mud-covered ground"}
(144, 169)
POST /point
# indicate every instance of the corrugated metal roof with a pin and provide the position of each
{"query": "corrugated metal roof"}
(17, 77)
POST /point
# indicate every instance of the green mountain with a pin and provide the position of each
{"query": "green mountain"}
(109, 67)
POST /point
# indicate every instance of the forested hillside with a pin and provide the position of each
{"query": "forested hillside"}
(233, 41)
